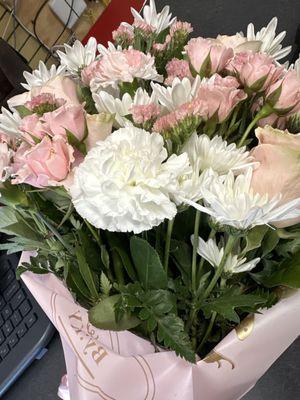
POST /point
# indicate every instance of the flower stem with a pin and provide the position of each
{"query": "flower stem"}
(201, 264)
(263, 113)
(208, 331)
(168, 243)
(194, 256)
(94, 233)
(229, 246)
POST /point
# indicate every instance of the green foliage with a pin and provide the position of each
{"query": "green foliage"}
(147, 263)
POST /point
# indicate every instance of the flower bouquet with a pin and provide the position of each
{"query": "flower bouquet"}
(153, 187)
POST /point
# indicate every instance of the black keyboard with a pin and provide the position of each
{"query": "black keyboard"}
(17, 315)
(24, 328)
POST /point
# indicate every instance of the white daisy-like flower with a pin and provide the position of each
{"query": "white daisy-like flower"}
(158, 21)
(123, 183)
(107, 103)
(270, 42)
(231, 201)
(180, 92)
(102, 50)
(41, 75)
(78, 56)
(10, 122)
(213, 254)
(296, 66)
(216, 154)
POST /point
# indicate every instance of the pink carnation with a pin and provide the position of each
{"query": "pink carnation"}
(184, 27)
(198, 51)
(255, 70)
(123, 33)
(145, 113)
(121, 66)
(177, 69)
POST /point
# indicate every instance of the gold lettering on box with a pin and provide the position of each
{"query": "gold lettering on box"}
(214, 356)
(246, 327)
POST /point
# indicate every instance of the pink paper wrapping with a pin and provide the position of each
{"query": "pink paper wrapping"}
(121, 366)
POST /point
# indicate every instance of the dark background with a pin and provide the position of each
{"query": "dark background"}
(209, 17)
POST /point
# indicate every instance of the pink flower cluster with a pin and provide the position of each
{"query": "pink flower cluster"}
(216, 97)
(179, 30)
(123, 33)
(177, 69)
(145, 113)
(44, 99)
(143, 26)
(182, 27)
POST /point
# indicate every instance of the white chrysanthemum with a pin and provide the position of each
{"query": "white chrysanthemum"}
(110, 47)
(5, 162)
(9, 122)
(296, 66)
(78, 56)
(158, 21)
(107, 103)
(231, 201)
(41, 75)
(180, 92)
(215, 153)
(271, 43)
(213, 254)
(123, 183)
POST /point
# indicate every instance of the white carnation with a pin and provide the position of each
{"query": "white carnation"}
(124, 182)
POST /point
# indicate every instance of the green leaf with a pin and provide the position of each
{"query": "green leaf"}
(148, 265)
(171, 332)
(11, 224)
(105, 284)
(205, 70)
(103, 316)
(119, 243)
(269, 242)
(12, 195)
(105, 257)
(226, 304)
(85, 96)
(86, 273)
(181, 253)
(23, 111)
(76, 282)
(254, 238)
(73, 141)
(286, 274)
(288, 248)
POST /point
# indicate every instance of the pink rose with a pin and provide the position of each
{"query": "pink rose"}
(66, 117)
(207, 56)
(278, 153)
(99, 127)
(32, 128)
(255, 71)
(47, 163)
(62, 87)
(284, 95)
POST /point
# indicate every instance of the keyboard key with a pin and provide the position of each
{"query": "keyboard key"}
(4, 266)
(2, 302)
(6, 312)
(16, 318)
(25, 308)
(7, 279)
(13, 340)
(7, 328)
(21, 330)
(30, 320)
(2, 337)
(18, 298)
(11, 290)
(4, 350)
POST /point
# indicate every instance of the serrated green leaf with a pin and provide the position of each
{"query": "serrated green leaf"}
(147, 263)
(226, 304)
(172, 334)
(103, 316)
(105, 284)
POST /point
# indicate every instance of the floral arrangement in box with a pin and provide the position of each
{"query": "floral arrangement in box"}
(158, 178)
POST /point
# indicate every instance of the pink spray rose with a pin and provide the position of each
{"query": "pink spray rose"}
(255, 71)
(66, 117)
(32, 128)
(207, 56)
(47, 163)
(99, 127)
(284, 95)
(278, 153)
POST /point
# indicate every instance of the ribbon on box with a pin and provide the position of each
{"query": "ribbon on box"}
(107, 365)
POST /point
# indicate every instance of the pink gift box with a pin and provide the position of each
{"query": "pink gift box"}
(107, 365)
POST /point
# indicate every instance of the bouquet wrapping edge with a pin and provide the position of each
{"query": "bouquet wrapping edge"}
(120, 365)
